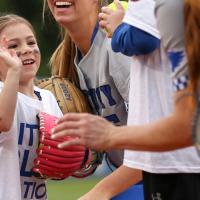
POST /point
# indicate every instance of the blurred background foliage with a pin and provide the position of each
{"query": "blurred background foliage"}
(47, 31)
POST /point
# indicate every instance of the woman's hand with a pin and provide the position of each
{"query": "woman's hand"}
(110, 19)
(90, 130)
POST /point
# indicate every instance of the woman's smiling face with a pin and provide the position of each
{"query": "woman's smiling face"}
(70, 11)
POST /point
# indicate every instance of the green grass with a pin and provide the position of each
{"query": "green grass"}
(70, 189)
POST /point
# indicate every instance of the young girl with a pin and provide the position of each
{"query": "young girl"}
(20, 102)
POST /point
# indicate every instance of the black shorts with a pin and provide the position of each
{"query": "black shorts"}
(178, 186)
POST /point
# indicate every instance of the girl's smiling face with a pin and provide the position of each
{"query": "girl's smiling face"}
(21, 38)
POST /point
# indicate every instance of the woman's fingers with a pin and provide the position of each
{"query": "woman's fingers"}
(65, 132)
(71, 117)
(75, 141)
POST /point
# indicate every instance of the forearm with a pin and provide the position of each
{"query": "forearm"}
(8, 99)
(162, 135)
(167, 133)
(132, 41)
(117, 182)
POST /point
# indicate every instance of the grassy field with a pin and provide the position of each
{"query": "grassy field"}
(73, 188)
(69, 189)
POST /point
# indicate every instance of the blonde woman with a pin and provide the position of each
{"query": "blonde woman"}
(85, 56)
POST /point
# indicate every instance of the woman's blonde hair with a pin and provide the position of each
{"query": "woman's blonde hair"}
(192, 39)
(62, 60)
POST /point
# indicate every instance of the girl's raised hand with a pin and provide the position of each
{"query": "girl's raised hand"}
(8, 57)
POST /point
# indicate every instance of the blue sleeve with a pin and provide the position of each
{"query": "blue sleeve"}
(131, 41)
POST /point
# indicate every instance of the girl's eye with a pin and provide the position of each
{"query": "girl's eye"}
(31, 43)
(12, 46)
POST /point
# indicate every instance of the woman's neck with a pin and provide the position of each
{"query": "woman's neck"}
(82, 37)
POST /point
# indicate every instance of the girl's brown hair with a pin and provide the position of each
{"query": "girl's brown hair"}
(9, 19)
(192, 39)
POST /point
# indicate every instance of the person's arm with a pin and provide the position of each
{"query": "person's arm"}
(8, 97)
(126, 38)
(133, 41)
(168, 133)
(117, 182)
(95, 132)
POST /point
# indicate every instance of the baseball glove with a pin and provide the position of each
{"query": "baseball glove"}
(68, 96)
(58, 164)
